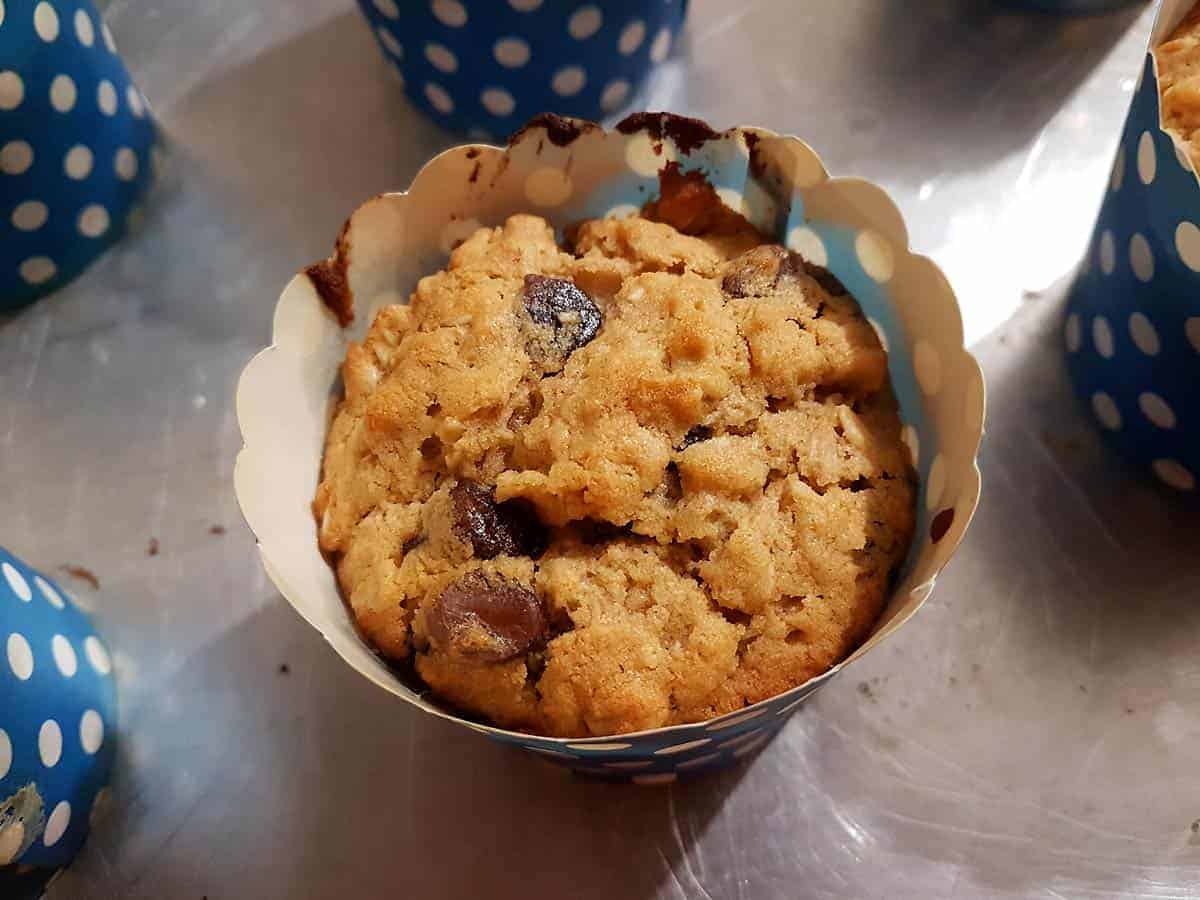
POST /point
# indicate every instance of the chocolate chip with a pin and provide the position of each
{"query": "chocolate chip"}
(941, 524)
(494, 529)
(559, 305)
(489, 619)
(695, 435)
(756, 272)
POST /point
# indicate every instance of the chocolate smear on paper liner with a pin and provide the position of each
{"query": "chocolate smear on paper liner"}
(329, 279)
(687, 133)
(559, 129)
(941, 524)
(83, 574)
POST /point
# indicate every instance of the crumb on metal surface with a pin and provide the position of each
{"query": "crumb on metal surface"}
(216, 529)
(284, 668)
(83, 574)
(152, 547)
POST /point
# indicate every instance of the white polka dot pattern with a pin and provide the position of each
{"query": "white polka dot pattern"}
(64, 656)
(56, 824)
(661, 48)
(1141, 258)
(441, 58)
(97, 655)
(52, 596)
(439, 98)
(568, 81)
(6, 753)
(12, 90)
(1187, 244)
(78, 162)
(585, 22)
(631, 38)
(1192, 330)
(1145, 338)
(1118, 170)
(17, 582)
(50, 743)
(15, 157)
(106, 98)
(1173, 473)
(1102, 337)
(1106, 410)
(808, 244)
(84, 30)
(37, 269)
(45, 21)
(614, 95)
(511, 52)
(1108, 253)
(876, 256)
(20, 656)
(63, 93)
(450, 12)
(91, 732)
(1155, 409)
(928, 366)
(93, 221)
(1073, 333)
(1147, 162)
(645, 156)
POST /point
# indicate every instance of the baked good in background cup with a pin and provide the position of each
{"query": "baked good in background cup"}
(645, 478)
(567, 172)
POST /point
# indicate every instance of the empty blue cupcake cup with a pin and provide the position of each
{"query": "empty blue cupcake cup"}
(76, 141)
(482, 69)
(1132, 329)
(57, 719)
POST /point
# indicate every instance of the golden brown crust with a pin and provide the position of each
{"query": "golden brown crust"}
(717, 470)
(1179, 83)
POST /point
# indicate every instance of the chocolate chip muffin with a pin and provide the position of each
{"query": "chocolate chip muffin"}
(1179, 83)
(645, 478)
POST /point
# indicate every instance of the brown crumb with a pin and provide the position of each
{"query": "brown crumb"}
(1196, 827)
(152, 547)
(976, 668)
(953, 681)
(83, 574)
(1129, 710)
(216, 529)
(284, 668)
(865, 690)
(1083, 689)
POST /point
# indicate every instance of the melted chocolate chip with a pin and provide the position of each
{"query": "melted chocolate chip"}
(695, 435)
(756, 272)
(941, 524)
(495, 529)
(560, 130)
(558, 304)
(491, 620)
(687, 133)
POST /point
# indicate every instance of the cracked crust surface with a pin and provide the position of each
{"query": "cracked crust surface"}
(1179, 83)
(576, 531)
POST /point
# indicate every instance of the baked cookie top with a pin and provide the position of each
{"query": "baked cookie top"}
(645, 478)
(1179, 83)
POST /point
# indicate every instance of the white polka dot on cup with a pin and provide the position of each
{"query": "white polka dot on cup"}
(78, 162)
(30, 215)
(441, 58)
(390, 44)
(108, 38)
(37, 269)
(45, 21)
(106, 97)
(631, 37)
(1108, 253)
(1102, 337)
(808, 244)
(438, 98)
(928, 367)
(62, 93)
(524, 5)
(20, 656)
(1118, 170)
(16, 157)
(1105, 410)
(875, 255)
(137, 105)
(56, 824)
(93, 220)
(585, 22)
(1073, 333)
(568, 81)
(52, 596)
(614, 94)
(387, 8)
(84, 30)
(125, 164)
(1187, 243)
(1141, 258)
(498, 101)
(511, 52)
(16, 581)
(96, 655)
(5, 755)
(91, 732)
(1175, 474)
(646, 156)
(1147, 161)
(661, 48)
(450, 12)
(1144, 335)
(1156, 410)
(12, 90)
(64, 656)
(50, 743)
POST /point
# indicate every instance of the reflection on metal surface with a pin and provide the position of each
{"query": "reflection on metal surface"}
(1029, 732)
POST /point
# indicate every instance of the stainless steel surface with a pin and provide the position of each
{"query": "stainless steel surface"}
(1032, 733)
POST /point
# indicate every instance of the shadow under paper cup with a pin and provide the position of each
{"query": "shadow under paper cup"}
(568, 170)
(1132, 329)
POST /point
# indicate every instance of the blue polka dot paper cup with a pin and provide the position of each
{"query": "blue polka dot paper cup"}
(76, 140)
(57, 717)
(1132, 329)
(568, 170)
(483, 68)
